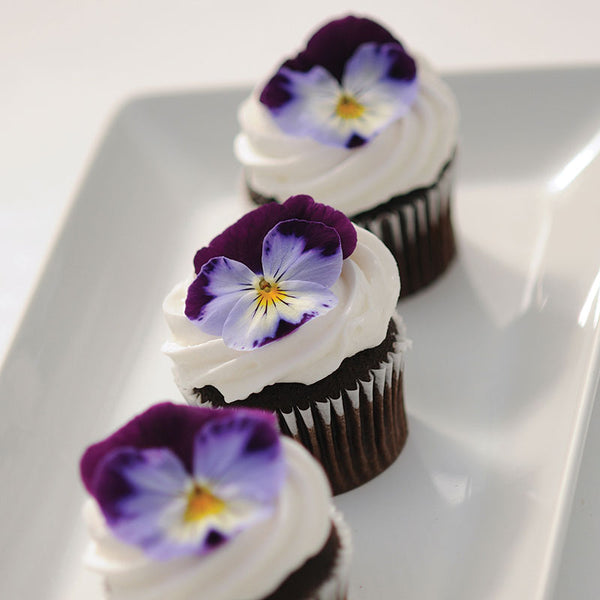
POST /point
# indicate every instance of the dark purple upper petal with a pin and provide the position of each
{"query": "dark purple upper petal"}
(331, 47)
(334, 44)
(243, 240)
(164, 425)
(403, 66)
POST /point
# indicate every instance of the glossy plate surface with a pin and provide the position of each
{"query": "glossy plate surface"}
(499, 384)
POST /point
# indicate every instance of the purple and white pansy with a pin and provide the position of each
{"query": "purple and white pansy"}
(351, 81)
(270, 272)
(179, 480)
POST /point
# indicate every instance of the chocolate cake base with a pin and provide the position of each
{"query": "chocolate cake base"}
(352, 421)
(416, 227)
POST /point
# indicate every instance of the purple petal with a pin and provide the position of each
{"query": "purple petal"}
(140, 492)
(242, 456)
(143, 496)
(403, 66)
(302, 250)
(330, 47)
(164, 425)
(215, 291)
(294, 96)
(384, 98)
(252, 325)
(386, 101)
(152, 515)
(159, 472)
(305, 208)
(355, 141)
(334, 44)
(276, 93)
(130, 481)
(242, 241)
(372, 63)
(312, 108)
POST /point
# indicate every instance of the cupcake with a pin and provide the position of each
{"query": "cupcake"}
(292, 310)
(191, 503)
(359, 123)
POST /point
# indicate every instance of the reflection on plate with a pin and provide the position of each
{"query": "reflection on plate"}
(499, 383)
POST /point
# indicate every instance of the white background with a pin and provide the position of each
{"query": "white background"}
(66, 66)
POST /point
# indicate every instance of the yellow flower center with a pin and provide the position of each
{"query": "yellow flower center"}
(269, 292)
(201, 503)
(348, 108)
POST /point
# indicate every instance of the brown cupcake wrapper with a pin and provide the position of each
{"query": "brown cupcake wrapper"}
(417, 229)
(358, 434)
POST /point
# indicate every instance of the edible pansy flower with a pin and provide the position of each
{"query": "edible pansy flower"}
(352, 80)
(179, 480)
(270, 272)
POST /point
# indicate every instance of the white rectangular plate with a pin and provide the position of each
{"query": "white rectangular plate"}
(499, 383)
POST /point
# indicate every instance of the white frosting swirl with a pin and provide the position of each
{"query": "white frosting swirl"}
(408, 154)
(367, 291)
(249, 567)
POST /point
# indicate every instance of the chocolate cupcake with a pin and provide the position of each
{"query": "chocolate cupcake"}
(292, 310)
(191, 502)
(359, 123)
